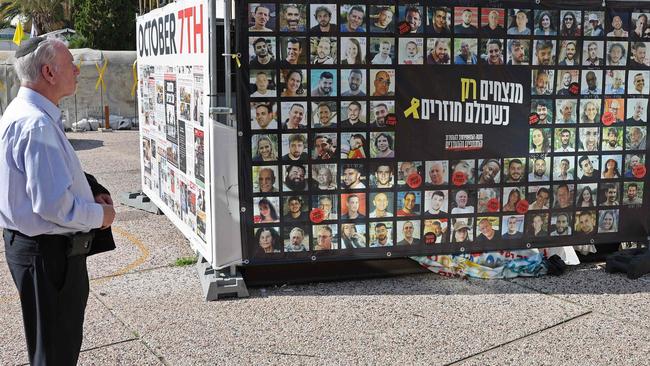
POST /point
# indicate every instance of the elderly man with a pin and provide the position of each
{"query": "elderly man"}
(465, 56)
(48, 206)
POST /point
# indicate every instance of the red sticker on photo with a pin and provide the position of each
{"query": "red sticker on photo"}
(639, 171)
(459, 178)
(493, 205)
(574, 88)
(316, 215)
(404, 27)
(429, 238)
(533, 118)
(391, 119)
(522, 207)
(608, 118)
(414, 180)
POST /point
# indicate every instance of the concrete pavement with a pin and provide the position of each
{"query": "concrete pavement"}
(143, 310)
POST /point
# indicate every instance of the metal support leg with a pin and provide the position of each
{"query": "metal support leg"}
(217, 284)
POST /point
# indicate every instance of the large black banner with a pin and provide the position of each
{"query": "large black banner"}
(379, 129)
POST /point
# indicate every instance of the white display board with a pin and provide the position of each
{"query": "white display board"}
(175, 133)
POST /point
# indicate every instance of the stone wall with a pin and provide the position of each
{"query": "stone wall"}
(88, 102)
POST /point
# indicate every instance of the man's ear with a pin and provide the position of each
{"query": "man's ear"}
(47, 71)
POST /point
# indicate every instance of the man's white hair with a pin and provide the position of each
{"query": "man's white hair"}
(29, 66)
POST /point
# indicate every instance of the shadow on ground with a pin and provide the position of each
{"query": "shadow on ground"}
(80, 145)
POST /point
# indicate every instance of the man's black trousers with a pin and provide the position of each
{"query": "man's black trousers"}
(53, 294)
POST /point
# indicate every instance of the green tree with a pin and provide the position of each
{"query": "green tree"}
(45, 15)
(106, 24)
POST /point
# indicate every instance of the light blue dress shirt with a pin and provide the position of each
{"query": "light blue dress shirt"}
(43, 189)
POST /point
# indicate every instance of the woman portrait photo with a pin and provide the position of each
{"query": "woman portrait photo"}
(590, 111)
(266, 210)
(608, 221)
(268, 241)
(570, 24)
(540, 140)
(586, 196)
(514, 196)
(294, 84)
(545, 24)
(324, 176)
(610, 169)
(264, 148)
(353, 52)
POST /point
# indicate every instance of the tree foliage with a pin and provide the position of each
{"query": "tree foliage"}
(106, 24)
(46, 15)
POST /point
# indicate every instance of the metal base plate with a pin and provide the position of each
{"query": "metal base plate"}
(218, 284)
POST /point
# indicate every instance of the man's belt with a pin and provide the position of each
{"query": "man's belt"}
(78, 244)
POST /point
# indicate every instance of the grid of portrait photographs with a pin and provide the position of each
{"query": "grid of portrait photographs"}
(325, 176)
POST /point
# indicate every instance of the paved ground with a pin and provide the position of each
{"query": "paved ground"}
(145, 311)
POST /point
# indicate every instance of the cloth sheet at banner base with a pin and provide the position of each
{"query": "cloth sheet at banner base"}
(497, 264)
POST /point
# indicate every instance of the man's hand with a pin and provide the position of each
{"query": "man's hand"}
(109, 215)
(104, 199)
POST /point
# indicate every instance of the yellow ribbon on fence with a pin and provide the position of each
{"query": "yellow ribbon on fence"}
(236, 57)
(413, 109)
(100, 78)
(135, 79)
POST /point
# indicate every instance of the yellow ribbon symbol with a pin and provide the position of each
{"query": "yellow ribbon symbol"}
(81, 58)
(135, 79)
(413, 109)
(100, 78)
(236, 57)
(2, 86)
